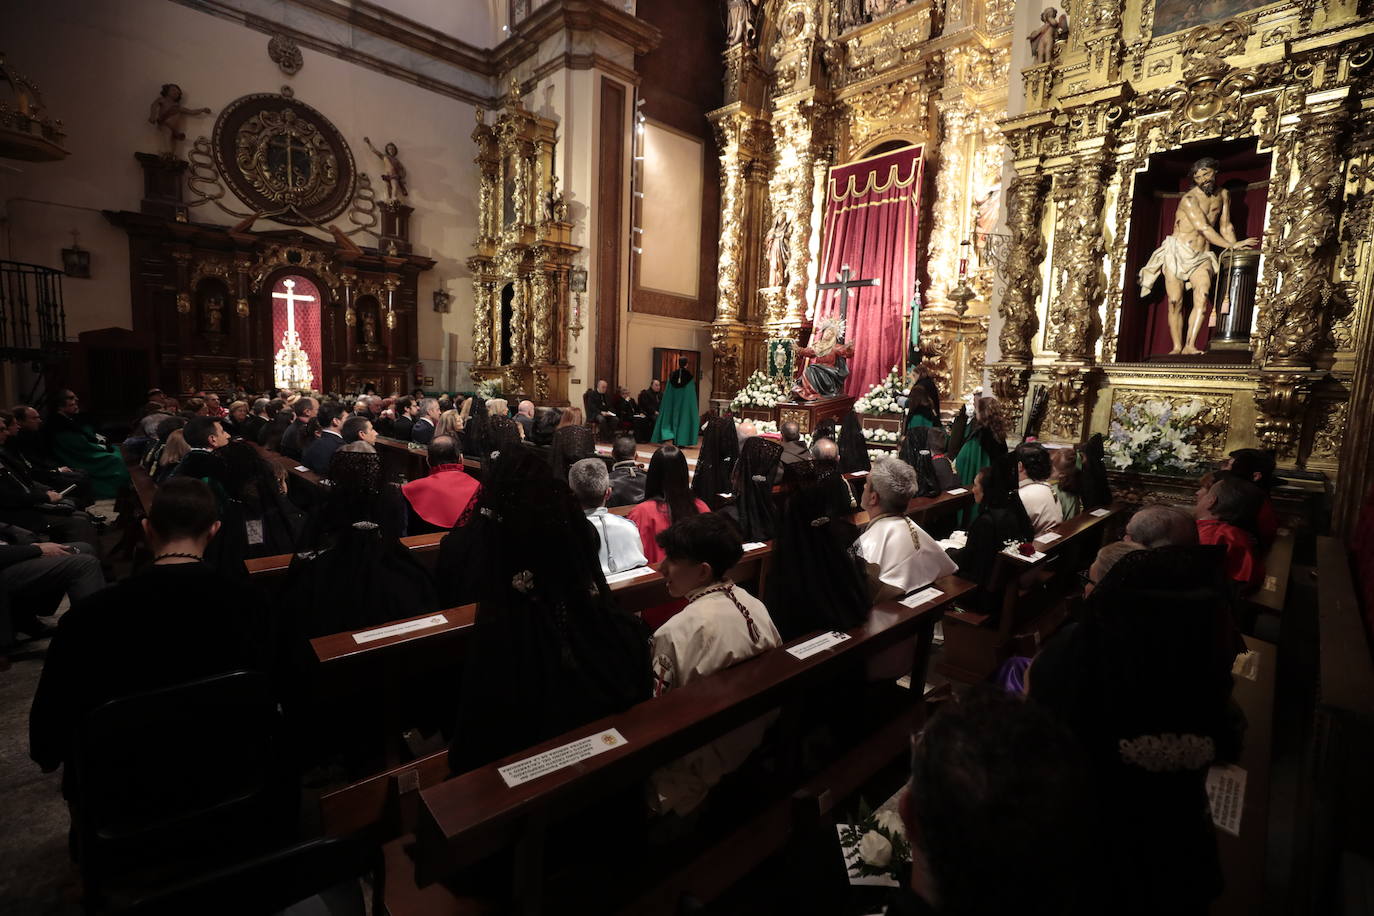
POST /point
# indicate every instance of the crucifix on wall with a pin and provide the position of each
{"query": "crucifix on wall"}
(292, 365)
(844, 285)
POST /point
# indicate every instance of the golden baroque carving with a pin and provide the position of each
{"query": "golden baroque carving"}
(541, 291)
(1211, 425)
(1294, 323)
(1215, 41)
(1019, 322)
(1328, 431)
(482, 292)
(897, 108)
(726, 350)
(1010, 384)
(1073, 314)
(275, 256)
(1069, 391)
(1281, 399)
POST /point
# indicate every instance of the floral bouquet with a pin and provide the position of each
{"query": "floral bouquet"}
(759, 391)
(881, 435)
(882, 397)
(876, 850)
(1154, 437)
(489, 388)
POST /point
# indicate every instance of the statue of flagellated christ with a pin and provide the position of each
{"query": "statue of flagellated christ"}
(1186, 258)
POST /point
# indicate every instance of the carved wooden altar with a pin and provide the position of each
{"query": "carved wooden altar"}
(1294, 80)
(819, 87)
(203, 293)
(520, 271)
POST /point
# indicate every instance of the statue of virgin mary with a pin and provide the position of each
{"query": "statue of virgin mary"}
(825, 369)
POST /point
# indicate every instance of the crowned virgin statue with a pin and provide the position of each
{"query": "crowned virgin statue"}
(824, 370)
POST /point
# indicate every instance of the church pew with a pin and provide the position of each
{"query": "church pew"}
(143, 487)
(402, 459)
(1243, 857)
(1278, 564)
(973, 647)
(1334, 834)
(467, 818)
(304, 487)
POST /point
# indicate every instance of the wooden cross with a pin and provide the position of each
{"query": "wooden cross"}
(291, 298)
(844, 285)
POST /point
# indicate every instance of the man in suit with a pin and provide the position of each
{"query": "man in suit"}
(423, 429)
(205, 436)
(318, 453)
(597, 404)
(29, 504)
(524, 415)
(406, 409)
(626, 479)
(293, 439)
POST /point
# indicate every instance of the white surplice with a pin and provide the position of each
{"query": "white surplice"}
(722, 625)
(1041, 505)
(907, 558)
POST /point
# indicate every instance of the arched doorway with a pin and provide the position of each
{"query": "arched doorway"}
(296, 333)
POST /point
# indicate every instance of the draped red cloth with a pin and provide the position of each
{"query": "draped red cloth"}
(872, 209)
(307, 321)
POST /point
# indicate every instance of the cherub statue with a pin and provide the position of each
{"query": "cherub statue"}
(1054, 25)
(393, 173)
(168, 115)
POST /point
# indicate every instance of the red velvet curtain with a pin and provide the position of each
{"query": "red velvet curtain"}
(307, 321)
(871, 213)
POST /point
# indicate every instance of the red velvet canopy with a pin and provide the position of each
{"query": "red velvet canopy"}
(870, 225)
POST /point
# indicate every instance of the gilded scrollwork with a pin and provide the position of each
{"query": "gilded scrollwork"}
(1073, 313)
(1281, 398)
(1327, 432)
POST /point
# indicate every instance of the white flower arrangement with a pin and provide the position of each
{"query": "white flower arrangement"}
(876, 850)
(1154, 437)
(878, 454)
(882, 397)
(762, 427)
(759, 391)
(876, 435)
(489, 388)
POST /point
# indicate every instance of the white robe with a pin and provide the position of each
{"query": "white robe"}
(708, 635)
(1041, 505)
(620, 547)
(907, 558)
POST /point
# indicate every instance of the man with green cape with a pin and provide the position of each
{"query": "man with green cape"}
(677, 418)
(77, 445)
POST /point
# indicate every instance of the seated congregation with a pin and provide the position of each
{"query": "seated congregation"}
(418, 616)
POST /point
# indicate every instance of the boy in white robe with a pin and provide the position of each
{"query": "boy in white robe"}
(721, 626)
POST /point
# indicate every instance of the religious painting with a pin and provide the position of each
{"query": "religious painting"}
(665, 362)
(296, 333)
(1150, 327)
(869, 258)
(1177, 15)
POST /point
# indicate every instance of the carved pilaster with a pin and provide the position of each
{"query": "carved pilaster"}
(483, 293)
(1018, 309)
(1281, 398)
(541, 292)
(1073, 314)
(947, 228)
(1010, 384)
(1070, 390)
(1295, 323)
(727, 347)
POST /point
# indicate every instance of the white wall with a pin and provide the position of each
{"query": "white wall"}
(100, 65)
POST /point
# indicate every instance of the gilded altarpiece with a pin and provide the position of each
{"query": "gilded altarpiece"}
(814, 89)
(1290, 80)
(520, 270)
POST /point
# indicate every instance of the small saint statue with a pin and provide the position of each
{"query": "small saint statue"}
(555, 207)
(168, 115)
(825, 369)
(214, 315)
(1186, 259)
(393, 173)
(369, 330)
(1054, 26)
(739, 22)
(778, 245)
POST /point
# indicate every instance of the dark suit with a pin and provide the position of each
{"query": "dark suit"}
(319, 453)
(627, 484)
(594, 403)
(526, 424)
(401, 429)
(422, 431)
(292, 439)
(22, 503)
(270, 435)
